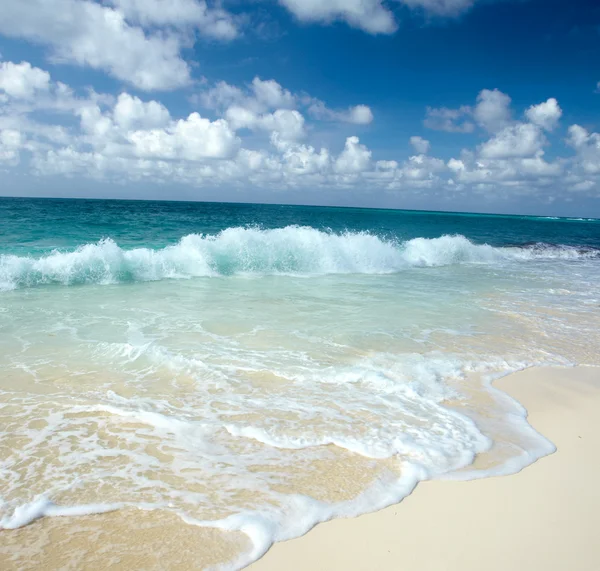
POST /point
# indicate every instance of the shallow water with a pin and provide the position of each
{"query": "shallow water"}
(262, 368)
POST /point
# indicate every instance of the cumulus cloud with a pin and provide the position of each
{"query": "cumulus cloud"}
(130, 127)
(422, 169)
(87, 33)
(372, 16)
(270, 94)
(244, 106)
(441, 7)
(356, 115)
(514, 172)
(520, 140)
(587, 146)
(449, 120)
(420, 145)
(492, 111)
(22, 79)
(354, 159)
(287, 123)
(130, 137)
(578, 136)
(10, 143)
(131, 112)
(546, 115)
(113, 38)
(299, 159)
(212, 22)
(368, 15)
(360, 115)
(192, 139)
(221, 95)
(259, 96)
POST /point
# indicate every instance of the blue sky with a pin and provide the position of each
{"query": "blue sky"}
(475, 105)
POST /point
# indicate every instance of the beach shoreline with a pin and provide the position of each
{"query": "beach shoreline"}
(542, 517)
(545, 516)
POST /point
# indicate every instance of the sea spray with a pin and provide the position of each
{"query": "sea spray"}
(292, 250)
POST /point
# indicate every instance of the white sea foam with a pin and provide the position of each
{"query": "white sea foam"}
(290, 250)
(42, 506)
(407, 420)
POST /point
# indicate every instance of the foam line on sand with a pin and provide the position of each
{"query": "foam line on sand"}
(545, 517)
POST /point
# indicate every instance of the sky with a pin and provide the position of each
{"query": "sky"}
(460, 105)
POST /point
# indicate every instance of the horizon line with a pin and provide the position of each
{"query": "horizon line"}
(239, 203)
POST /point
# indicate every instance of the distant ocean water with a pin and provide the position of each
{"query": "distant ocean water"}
(262, 368)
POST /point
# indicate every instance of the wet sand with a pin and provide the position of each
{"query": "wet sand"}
(545, 517)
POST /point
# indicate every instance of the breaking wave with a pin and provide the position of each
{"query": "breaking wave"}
(292, 250)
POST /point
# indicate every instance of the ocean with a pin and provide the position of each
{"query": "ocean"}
(252, 370)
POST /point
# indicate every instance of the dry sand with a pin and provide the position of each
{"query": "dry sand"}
(546, 517)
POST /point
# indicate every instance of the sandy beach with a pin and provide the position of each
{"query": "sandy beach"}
(545, 517)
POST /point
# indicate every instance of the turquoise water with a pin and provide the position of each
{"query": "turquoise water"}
(35, 226)
(261, 368)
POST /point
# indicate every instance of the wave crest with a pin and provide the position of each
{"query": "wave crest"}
(292, 250)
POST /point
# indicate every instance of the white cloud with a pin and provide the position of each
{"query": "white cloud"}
(421, 168)
(537, 167)
(10, 143)
(22, 80)
(97, 125)
(372, 16)
(546, 115)
(216, 23)
(83, 32)
(222, 95)
(258, 97)
(129, 138)
(420, 145)
(247, 107)
(360, 115)
(131, 112)
(525, 173)
(354, 158)
(368, 15)
(192, 139)
(441, 7)
(130, 127)
(520, 140)
(456, 165)
(303, 159)
(386, 165)
(492, 111)
(584, 186)
(270, 94)
(578, 136)
(242, 118)
(356, 115)
(287, 123)
(449, 120)
(587, 146)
